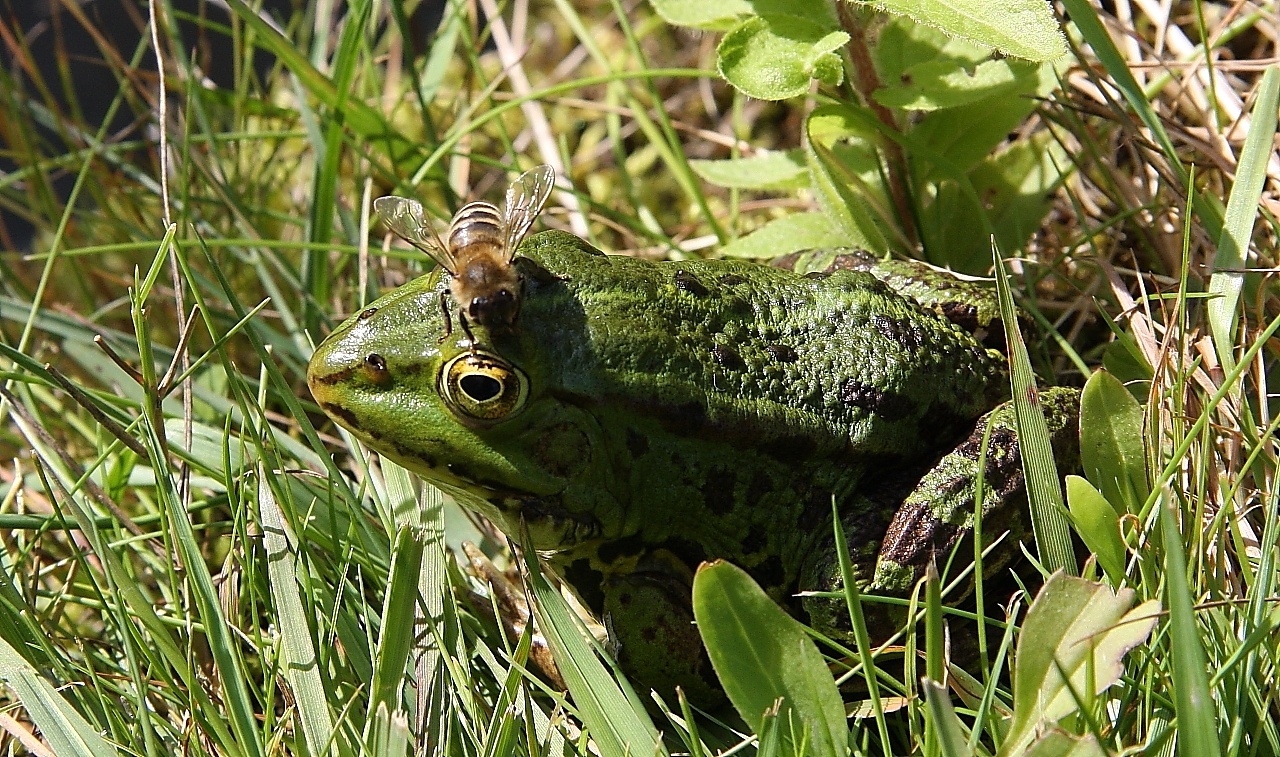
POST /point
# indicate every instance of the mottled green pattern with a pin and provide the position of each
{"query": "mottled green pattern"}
(676, 412)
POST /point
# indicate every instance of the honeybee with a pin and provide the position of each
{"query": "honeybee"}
(478, 249)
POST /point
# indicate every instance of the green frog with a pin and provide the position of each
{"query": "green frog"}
(644, 417)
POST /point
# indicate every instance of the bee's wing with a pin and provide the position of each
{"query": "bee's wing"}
(525, 199)
(407, 220)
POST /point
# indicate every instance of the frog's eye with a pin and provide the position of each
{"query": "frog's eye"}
(483, 387)
(375, 369)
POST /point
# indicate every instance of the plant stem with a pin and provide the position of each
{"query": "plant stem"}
(866, 80)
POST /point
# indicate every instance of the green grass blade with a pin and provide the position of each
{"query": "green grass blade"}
(1086, 20)
(327, 179)
(617, 723)
(395, 638)
(222, 645)
(64, 728)
(1197, 723)
(1044, 490)
(300, 662)
(1242, 209)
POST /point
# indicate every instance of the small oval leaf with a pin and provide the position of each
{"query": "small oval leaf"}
(783, 236)
(1112, 450)
(1022, 28)
(775, 57)
(770, 170)
(761, 655)
(1098, 525)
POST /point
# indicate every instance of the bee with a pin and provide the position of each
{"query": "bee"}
(478, 250)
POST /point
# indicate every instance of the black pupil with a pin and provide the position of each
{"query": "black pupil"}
(376, 362)
(480, 387)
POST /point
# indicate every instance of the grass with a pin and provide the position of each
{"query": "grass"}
(190, 568)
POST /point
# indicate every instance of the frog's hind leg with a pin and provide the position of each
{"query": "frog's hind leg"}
(929, 515)
(939, 512)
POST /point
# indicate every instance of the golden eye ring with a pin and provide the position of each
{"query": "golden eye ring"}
(481, 386)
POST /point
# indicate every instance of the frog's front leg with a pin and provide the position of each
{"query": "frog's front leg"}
(937, 514)
(649, 617)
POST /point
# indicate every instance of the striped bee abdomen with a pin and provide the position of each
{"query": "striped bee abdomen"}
(477, 224)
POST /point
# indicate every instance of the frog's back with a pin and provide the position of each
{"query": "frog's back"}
(827, 364)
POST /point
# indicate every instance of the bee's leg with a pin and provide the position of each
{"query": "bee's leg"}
(448, 320)
(466, 329)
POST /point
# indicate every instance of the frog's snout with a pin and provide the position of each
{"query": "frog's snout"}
(336, 367)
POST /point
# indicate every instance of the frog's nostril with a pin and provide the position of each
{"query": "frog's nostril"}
(479, 387)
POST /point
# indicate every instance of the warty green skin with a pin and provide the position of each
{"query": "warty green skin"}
(677, 412)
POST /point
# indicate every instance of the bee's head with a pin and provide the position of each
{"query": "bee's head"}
(490, 293)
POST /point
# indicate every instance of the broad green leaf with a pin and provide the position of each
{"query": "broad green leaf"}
(761, 655)
(711, 15)
(1058, 743)
(1122, 359)
(943, 84)
(1098, 525)
(775, 57)
(967, 134)
(723, 15)
(903, 43)
(798, 231)
(772, 170)
(1075, 628)
(1015, 188)
(1022, 28)
(1112, 446)
(845, 167)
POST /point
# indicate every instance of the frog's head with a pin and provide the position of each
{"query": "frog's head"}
(469, 420)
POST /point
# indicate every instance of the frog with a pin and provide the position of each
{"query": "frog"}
(642, 418)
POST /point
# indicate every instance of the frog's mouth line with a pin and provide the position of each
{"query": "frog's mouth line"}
(487, 496)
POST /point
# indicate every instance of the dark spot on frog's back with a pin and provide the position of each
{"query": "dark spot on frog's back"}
(962, 314)
(906, 334)
(770, 573)
(796, 448)
(781, 353)
(732, 279)
(887, 405)
(717, 491)
(816, 512)
(612, 551)
(687, 282)
(727, 357)
(686, 419)
(637, 443)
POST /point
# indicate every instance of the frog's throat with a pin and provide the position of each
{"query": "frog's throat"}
(551, 525)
